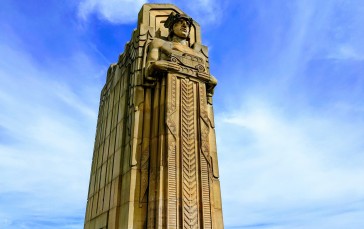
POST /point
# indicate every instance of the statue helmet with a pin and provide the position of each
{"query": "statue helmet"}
(175, 17)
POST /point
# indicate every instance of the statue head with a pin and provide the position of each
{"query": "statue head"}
(178, 25)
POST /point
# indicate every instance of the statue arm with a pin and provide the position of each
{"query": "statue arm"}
(152, 57)
(210, 88)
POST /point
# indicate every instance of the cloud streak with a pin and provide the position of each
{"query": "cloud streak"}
(114, 11)
(274, 165)
(289, 136)
(126, 11)
(48, 129)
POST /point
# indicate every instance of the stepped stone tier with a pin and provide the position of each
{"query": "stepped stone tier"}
(155, 162)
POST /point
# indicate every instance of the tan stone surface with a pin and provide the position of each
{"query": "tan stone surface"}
(155, 158)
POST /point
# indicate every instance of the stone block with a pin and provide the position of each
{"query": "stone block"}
(115, 192)
(125, 188)
(100, 201)
(103, 175)
(112, 142)
(112, 220)
(106, 204)
(117, 164)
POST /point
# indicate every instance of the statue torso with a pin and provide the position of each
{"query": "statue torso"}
(169, 47)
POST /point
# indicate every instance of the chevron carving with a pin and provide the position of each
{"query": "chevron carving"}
(189, 183)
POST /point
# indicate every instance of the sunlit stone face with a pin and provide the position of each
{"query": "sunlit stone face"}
(181, 28)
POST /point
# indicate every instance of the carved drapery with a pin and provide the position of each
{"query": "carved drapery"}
(185, 190)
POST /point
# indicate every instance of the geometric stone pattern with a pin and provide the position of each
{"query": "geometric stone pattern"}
(155, 162)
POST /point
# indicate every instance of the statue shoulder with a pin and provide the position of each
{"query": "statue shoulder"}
(157, 43)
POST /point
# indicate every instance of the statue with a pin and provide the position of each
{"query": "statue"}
(155, 161)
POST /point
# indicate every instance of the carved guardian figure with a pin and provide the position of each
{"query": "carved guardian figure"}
(155, 160)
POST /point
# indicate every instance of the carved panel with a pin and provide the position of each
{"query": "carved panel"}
(189, 184)
(204, 159)
(171, 158)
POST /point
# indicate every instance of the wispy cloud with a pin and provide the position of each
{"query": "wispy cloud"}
(114, 11)
(206, 12)
(47, 131)
(346, 52)
(289, 119)
(275, 163)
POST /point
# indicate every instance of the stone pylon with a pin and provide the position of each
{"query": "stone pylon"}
(155, 162)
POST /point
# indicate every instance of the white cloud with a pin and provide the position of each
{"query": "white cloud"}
(203, 11)
(290, 157)
(114, 11)
(47, 131)
(275, 163)
(126, 11)
(346, 52)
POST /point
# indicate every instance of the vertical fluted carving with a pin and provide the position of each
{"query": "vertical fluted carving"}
(204, 159)
(189, 184)
(171, 158)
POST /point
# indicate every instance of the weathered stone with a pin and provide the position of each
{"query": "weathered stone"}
(155, 160)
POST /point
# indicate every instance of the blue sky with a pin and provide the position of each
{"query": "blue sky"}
(289, 107)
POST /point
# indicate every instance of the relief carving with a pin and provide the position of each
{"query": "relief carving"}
(167, 155)
(186, 67)
(189, 160)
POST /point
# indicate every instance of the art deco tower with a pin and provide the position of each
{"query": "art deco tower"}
(155, 162)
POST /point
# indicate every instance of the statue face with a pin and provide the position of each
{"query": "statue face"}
(181, 28)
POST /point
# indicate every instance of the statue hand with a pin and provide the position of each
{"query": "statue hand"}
(213, 81)
(166, 65)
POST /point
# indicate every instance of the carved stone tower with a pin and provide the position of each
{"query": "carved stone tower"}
(155, 162)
